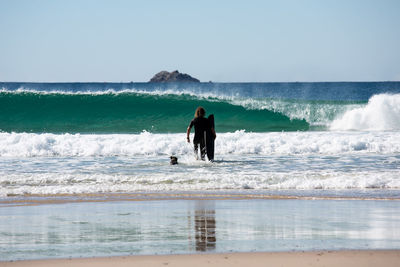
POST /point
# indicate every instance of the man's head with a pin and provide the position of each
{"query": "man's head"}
(200, 112)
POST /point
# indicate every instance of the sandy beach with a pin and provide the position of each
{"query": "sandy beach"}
(299, 259)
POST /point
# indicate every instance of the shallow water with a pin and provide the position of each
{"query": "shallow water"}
(191, 226)
(270, 161)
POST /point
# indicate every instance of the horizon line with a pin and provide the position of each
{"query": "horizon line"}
(208, 82)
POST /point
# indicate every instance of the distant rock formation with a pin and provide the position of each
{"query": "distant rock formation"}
(175, 76)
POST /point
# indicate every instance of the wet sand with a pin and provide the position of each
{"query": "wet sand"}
(171, 226)
(386, 258)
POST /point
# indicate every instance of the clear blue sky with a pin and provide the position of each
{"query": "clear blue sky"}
(220, 40)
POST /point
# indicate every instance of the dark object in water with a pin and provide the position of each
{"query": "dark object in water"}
(174, 160)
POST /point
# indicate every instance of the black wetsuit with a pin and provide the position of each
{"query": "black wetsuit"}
(201, 127)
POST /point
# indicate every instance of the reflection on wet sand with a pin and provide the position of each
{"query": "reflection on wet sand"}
(179, 227)
(204, 225)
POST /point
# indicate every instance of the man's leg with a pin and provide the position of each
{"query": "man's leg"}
(203, 149)
(196, 148)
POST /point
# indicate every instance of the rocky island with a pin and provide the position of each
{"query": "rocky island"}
(175, 76)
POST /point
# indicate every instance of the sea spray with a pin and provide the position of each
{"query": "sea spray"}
(382, 113)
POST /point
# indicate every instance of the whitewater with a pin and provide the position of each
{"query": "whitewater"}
(316, 139)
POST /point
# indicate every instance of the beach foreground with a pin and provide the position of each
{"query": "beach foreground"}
(33, 231)
(385, 258)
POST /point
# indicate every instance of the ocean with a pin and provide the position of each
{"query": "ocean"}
(85, 168)
(303, 139)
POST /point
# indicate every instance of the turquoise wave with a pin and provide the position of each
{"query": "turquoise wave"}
(131, 113)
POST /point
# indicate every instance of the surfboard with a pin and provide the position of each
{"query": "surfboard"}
(210, 140)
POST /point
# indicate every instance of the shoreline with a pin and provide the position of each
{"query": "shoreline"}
(39, 199)
(385, 258)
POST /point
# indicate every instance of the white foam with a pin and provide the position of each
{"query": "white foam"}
(382, 113)
(70, 164)
(237, 143)
(202, 179)
(156, 92)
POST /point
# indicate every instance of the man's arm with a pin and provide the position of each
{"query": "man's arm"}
(188, 134)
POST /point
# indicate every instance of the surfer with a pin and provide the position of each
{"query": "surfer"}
(203, 127)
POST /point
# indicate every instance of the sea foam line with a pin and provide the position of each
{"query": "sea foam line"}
(112, 91)
(237, 143)
(81, 183)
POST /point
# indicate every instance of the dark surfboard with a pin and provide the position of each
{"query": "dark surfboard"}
(210, 140)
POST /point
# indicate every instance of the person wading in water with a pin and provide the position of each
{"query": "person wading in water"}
(202, 126)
